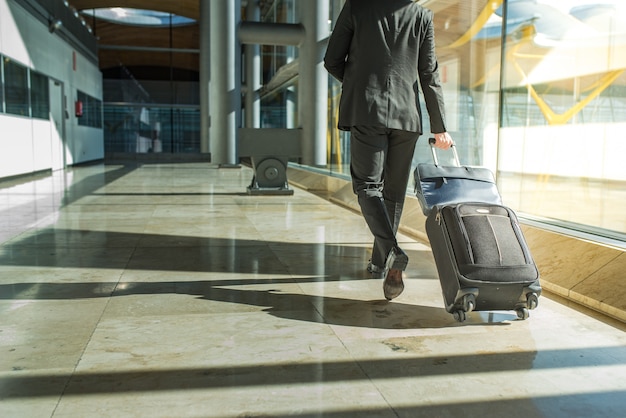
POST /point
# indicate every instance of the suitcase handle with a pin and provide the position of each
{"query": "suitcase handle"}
(432, 141)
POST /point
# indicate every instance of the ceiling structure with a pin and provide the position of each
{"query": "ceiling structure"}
(456, 22)
(130, 46)
(123, 45)
(148, 46)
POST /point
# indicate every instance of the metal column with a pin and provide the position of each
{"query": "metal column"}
(313, 84)
(291, 92)
(253, 71)
(225, 91)
(205, 74)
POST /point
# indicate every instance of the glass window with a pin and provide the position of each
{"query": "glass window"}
(140, 129)
(92, 111)
(1, 84)
(16, 88)
(39, 95)
(561, 146)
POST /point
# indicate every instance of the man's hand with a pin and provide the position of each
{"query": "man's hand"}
(443, 140)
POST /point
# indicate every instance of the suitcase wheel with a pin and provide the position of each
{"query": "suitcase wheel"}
(469, 302)
(459, 315)
(532, 300)
(522, 313)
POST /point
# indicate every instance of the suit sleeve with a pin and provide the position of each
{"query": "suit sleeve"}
(428, 68)
(339, 43)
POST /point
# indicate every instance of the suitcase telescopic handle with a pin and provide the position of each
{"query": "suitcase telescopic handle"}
(432, 141)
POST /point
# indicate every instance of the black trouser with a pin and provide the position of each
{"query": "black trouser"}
(380, 164)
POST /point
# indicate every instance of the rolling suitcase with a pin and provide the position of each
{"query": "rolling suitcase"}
(482, 260)
(480, 252)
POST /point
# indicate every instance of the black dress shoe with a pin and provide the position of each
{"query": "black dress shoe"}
(393, 284)
(376, 271)
(397, 261)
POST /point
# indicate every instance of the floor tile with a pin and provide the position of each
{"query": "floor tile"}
(165, 290)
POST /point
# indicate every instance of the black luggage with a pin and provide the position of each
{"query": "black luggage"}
(482, 258)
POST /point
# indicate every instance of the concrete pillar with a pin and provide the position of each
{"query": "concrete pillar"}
(205, 74)
(253, 71)
(225, 90)
(313, 82)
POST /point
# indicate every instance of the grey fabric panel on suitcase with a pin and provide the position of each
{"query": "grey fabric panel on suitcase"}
(488, 244)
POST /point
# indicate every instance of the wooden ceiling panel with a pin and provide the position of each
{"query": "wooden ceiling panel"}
(122, 35)
(187, 37)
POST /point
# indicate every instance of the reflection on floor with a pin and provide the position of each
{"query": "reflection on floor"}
(167, 291)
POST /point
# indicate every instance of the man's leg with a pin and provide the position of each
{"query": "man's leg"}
(397, 166)
(368, 146)
(397, 172)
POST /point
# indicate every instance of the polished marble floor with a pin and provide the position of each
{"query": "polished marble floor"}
(165, 290)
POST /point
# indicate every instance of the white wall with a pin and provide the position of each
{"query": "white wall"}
(16, 146)
(27, 145)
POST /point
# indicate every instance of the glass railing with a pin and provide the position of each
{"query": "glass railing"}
(143, 129)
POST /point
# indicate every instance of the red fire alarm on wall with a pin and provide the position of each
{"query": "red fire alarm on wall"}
(78, 107)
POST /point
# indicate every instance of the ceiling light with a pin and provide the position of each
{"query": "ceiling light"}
(54, 24)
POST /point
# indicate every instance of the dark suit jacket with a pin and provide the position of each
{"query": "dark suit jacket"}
(380, 50)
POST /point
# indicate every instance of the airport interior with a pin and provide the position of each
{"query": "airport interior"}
(179, 236)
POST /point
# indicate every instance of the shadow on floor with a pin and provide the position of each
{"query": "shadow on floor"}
(249, 261)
